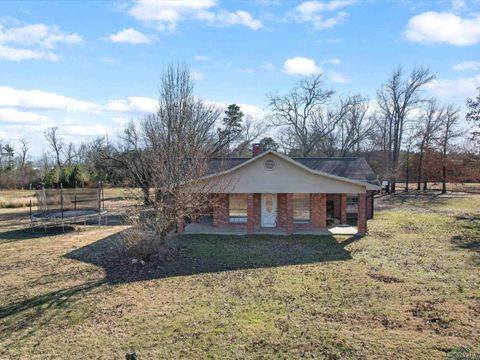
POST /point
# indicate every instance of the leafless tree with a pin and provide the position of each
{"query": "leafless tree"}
(409, 144)
(56, 143)
(22, 154)
(251, 131)
(178, 144)
(428, 133)
(302, 111)
(70, 153)
(353, 128)
(450, 131)
(396, 99)
(166, 154)
(132, 155)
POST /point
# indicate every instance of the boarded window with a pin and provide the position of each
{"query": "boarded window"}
(301, 208)
(237, 208)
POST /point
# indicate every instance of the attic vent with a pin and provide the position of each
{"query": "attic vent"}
(270, 164)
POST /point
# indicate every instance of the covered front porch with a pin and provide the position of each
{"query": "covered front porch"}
(283, 214)
(205, 227)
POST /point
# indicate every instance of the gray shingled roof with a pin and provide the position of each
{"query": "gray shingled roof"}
(351, 168)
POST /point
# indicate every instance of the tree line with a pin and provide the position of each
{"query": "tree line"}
(405, 135)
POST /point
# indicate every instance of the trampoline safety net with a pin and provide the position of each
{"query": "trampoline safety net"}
(64, 203)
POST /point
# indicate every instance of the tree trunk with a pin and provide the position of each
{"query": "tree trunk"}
(420, 169)
(407, 173)
(146, 195)
(444, 179)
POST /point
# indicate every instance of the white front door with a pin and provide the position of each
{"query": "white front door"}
(269, 210)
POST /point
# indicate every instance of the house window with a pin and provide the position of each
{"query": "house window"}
(301, 208)
(352, 204)
(237, 208)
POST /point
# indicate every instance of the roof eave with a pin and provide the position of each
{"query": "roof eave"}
(290, 160)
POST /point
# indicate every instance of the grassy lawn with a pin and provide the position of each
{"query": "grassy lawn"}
(410, 289)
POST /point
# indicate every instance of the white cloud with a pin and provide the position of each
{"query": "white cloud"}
(301, 66)
(224, 18)
(15, 54)
(337, 4)
(201, 58)
(268, 66)
(108, 60)
(37, 34)
(133, 104)
(130, 36)
(339, 78)
(197, 75)
(84, 130)
(433, 27)
(165, 15)
(37, 99)
(454, 89)
(22, 117)
(334, 61)
(314, 12)
(466, 65)
(245, 70)
(458, 5)
(33, 42)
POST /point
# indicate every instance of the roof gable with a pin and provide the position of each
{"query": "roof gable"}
(285, 176)
(356, 169)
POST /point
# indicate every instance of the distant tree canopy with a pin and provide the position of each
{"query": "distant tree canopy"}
(473, 115)
(268, 143)
(405, 135)
(68, 176)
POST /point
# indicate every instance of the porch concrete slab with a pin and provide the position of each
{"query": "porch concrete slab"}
(202, 228)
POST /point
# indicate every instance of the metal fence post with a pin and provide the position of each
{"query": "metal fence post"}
(61, 205)
(31, 224)
(99, 204)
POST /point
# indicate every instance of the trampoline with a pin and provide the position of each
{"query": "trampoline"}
(67, 206)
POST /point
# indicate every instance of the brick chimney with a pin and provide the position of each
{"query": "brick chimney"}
(257, 149)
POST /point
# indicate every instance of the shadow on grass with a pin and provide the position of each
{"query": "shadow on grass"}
(197, 254)
(469, 239)
(27, 311)
(28, 234)
(417, 198)
(39, 231)
(189, 255)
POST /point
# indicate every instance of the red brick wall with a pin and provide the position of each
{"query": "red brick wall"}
(369, 205)
(281, 210)
(343, 208)
(250, 214)
(289, 213)
(257, 199)
(318, 208)
(285, 213)
(220, 211)
(362, 214)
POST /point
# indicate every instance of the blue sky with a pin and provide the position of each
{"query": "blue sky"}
(88, 67)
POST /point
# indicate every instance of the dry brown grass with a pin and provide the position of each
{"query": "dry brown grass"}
(16, 198)
(409, 290)
(21, 198)
(455, 187)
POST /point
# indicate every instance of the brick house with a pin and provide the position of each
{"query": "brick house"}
(271, 192)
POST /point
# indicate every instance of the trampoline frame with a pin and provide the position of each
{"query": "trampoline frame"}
(61, 216)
